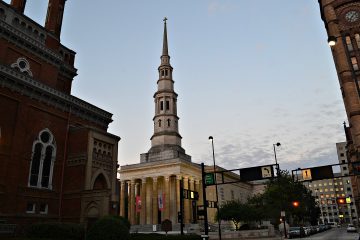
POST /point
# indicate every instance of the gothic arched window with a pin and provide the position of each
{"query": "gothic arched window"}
(42, 160)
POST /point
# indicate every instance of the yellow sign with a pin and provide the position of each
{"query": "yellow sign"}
(306, 173)
(266, 172)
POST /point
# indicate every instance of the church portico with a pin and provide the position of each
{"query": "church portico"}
(156, 197)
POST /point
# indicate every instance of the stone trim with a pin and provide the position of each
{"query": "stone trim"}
(25, 85)
(19, 38)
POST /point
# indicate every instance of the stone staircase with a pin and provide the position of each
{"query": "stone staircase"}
(147, 228)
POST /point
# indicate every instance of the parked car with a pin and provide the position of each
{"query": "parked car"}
(296, 232)
(314, 229)
(351, 228)
(307, 231)
(333, 224)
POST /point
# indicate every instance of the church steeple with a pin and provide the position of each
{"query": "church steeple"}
(165, 43)
(166, 132)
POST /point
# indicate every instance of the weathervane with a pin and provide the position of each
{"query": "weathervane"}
(165, 19)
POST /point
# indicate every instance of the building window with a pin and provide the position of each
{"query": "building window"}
(347, 181)
(166, 72)
(167, 105)
(232, 195)
(159, 123)
(168, 122)
(161, 105)
(341, 154)
(42, 160)
(30, 207)
(43, 208)
(344, 168)
(357, 39)
(354, 63)
(342, 161)
(348, 43)
(222, 194)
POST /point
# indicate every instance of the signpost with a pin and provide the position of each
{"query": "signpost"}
(324, 172)
(245, 174)
(208, 179)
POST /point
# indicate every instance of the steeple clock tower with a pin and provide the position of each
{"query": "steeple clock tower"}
(166, 140)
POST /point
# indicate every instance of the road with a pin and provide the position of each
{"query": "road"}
(333, 234)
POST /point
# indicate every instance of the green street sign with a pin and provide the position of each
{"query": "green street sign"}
(209, 179)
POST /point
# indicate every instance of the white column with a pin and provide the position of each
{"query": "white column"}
(143, 202)
(122, 199)
(154, 201)
(167, 197)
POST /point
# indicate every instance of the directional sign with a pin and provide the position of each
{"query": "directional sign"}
(256, 173)
(266, 172)
(209, 179)
(317, 173)
(306, 173)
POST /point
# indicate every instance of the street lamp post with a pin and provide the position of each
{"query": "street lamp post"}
(277, 166)
(217, 195)
(278, 175)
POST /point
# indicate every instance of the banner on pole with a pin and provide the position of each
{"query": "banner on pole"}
(161, 201)
(138, 204)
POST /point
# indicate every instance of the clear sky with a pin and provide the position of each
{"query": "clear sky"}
(248, 72)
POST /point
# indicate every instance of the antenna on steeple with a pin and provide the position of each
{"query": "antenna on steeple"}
(165, 44)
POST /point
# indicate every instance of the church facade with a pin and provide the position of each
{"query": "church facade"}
(150, 190)
(58, 162)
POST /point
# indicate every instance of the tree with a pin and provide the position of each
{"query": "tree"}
(279, 195)
(237, 212)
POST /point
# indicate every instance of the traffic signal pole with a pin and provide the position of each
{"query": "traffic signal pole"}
(206, 223)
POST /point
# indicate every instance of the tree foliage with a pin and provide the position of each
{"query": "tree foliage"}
(237, 212)
(109, 228)
(279, 195)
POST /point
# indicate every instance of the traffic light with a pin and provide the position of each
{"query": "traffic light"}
(341, 201)
(295, 204)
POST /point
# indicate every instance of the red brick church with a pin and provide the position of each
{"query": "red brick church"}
(57, 160)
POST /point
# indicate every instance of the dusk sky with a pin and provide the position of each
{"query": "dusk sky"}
(250, 73)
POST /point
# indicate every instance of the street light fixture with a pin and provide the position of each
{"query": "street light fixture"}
(332, 41)
(217, 195)
(277, 166)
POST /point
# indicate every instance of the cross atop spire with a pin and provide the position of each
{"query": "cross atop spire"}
(165, 43)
